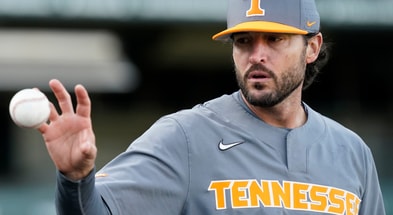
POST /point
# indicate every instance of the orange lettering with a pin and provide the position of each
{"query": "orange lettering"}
(286, 194)
(318, 199)
(352, 203)
(260, 193)
(219, 187)
(300, 196)
(239, 194)
(337, 203)
(281, 195)
(255, 9)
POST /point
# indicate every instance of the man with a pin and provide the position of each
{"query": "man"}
(260, 150)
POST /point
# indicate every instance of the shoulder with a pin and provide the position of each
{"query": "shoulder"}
(182, 127)
(339, 130)
(212, 109)
(343, 136)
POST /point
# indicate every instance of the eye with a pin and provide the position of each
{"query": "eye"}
(274, 38)
(241, 39)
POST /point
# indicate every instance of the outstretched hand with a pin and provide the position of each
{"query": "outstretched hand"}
(69, 135)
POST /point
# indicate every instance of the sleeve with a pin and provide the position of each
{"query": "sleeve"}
(152, 176)
(372, 201)
(79, 197)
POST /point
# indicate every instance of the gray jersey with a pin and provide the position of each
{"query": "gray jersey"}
(219, 158)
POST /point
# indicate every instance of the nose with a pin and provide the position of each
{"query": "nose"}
(259, 50)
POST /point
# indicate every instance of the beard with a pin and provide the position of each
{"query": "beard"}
(291, 79)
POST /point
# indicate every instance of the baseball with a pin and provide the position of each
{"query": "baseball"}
(29, 108)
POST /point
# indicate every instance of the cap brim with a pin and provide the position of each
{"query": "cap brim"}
(258, 26)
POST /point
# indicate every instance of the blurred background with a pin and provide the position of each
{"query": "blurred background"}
(141, 59)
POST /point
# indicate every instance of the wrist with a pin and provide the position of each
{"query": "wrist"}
(78, 176)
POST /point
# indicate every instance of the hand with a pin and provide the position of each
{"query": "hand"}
(69, 136)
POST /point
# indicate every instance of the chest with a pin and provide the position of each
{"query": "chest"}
(242, 172)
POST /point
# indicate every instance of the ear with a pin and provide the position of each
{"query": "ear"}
(313, 48)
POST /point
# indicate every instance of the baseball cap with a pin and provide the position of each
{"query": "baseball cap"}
(275, 16)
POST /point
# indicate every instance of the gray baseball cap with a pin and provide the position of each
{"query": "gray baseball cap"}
(275, 16)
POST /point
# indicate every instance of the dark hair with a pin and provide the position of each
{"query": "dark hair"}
(314, 68)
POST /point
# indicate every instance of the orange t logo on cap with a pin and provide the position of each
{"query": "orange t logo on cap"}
(255, 9)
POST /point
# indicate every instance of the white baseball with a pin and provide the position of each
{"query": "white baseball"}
(29, 108)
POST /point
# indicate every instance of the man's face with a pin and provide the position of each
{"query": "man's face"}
(269, 66)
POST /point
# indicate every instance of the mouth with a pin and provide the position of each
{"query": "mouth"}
(258, 75)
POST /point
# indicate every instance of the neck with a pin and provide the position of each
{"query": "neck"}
(290, 113)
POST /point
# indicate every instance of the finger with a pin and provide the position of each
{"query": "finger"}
(62, 96)
(83, 107)
(53, 112)
(43, 128)
(52, 117)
